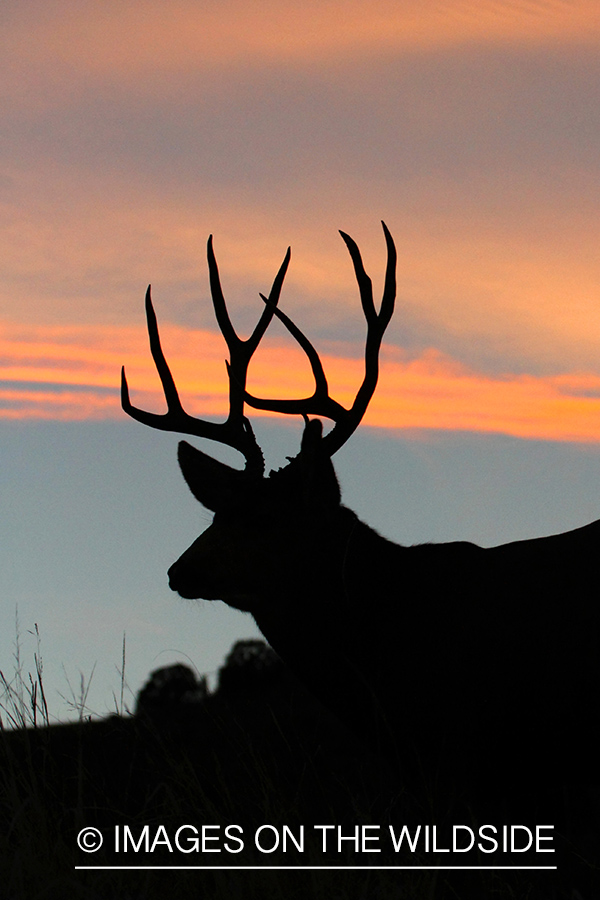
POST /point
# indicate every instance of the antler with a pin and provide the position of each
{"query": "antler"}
(236, 431)
(320, 403)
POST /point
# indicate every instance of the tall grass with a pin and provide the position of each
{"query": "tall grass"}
(23, 703)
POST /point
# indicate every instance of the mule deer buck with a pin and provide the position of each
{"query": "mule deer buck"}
(453, 656)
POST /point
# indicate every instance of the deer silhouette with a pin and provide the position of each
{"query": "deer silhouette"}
(451, 657)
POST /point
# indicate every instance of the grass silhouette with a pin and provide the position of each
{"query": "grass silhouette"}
(257, 750)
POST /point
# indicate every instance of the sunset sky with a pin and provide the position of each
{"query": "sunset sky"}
(133, 130)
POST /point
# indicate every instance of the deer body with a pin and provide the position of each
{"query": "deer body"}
(441, 655)
(437, 654)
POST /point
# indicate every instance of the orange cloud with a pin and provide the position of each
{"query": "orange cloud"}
(54, 405)
(521, 283)
(435, 392)
(72, 373)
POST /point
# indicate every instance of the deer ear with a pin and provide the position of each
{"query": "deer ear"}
(320, 482)
(211, 482)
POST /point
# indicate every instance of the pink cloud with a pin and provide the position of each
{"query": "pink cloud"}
(132, 43)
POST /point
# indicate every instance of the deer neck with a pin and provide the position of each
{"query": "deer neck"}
(323, 602)
(325, 627)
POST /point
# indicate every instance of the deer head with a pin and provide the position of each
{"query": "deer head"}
(263, 525)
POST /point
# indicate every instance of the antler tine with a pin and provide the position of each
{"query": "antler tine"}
(377, 322)
(240, 351)
(320, 403)
(236, 431)
(175, 409)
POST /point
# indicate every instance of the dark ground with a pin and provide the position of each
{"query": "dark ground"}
(260, 751)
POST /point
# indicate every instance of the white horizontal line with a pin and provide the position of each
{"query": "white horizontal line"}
(329, 868)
